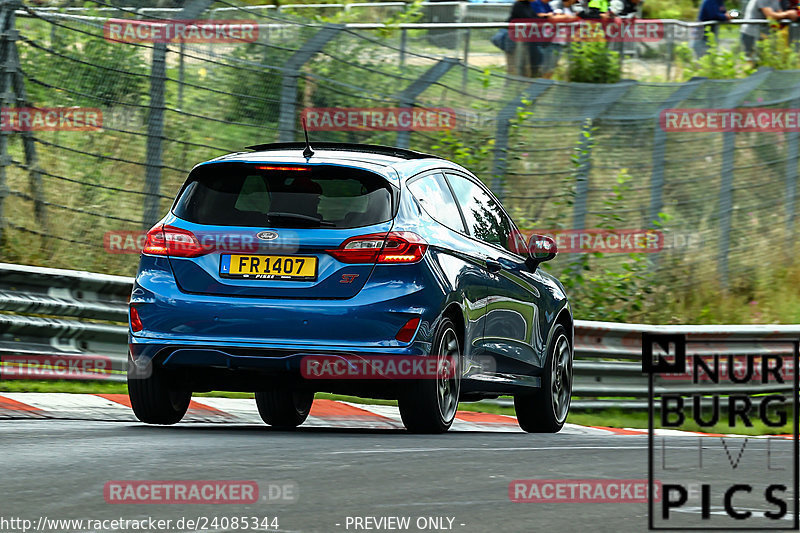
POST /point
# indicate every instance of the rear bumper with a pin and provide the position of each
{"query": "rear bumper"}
(201, 368)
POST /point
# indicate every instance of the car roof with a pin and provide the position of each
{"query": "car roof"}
(395, 164)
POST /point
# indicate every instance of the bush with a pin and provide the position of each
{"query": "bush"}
(592, 62)
(718, 63)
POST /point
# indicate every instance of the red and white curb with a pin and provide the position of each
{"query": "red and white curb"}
(324, 413)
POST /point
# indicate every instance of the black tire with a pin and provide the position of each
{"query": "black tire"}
(153, 399)
(546, 410)
(422, 406)
(284, 408)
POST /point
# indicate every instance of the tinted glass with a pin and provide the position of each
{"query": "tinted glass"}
(485, 218)
(435, 197)
(234, 194)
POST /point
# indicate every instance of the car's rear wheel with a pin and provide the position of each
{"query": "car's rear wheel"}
(284, 408)
(429, 405)
(546, 410)
(154, 399)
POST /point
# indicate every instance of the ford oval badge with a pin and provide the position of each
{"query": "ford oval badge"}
(267, 235)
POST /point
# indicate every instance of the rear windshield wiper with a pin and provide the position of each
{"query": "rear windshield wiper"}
(297, 216)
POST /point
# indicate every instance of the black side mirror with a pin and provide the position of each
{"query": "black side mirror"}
(541, 248)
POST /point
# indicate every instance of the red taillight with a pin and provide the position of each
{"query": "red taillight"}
(406, 333)
(172, 241)
(394, 247)
(136, 322)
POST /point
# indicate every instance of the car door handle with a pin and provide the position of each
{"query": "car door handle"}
(493, 265)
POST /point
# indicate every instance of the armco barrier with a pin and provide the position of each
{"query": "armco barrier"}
(65, 313)
(53, 315)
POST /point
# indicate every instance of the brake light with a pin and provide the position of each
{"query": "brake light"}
(173, 242)
(406, 333)
(136, 322)
(394, 247)
(273, 167)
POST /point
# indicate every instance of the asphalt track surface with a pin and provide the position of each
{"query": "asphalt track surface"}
(58, 468)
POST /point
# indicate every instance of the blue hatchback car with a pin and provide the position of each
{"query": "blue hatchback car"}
(279, 255)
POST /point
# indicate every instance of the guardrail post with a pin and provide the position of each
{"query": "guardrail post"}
(287, 119)
(465, 76)
(410, 93)
(670, 50)
(504, 118)
(155, 135)
(597, 107)
(155, 122)
(181, 74)
(14, 95)
(403, 45)
(792, 140)
(734, 98)
(7, 98)
(660, 148)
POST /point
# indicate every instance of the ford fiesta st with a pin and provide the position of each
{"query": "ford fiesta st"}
(271, 258)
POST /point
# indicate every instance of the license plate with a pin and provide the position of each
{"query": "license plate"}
(286, 267)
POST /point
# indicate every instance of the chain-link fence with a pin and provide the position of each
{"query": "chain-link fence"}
(553, 151)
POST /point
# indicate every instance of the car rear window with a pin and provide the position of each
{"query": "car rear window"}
(288, 196)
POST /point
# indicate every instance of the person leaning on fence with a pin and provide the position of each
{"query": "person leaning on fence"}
(625, 9)
(568, 8)
(563, 11)
(596, 9)
(547, 51)
(791, 29)
(761, 10)
(526, 60)
(710, 10)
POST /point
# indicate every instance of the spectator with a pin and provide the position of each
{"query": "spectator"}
(761, 10)
(547, 51)
(710, 10)
(569, 8)
(793, 30)
(563, 11)
(596, 9)
(625, 8)
(528, 56)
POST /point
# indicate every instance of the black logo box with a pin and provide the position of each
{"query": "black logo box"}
(678, 366)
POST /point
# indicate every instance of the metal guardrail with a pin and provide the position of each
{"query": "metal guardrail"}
(49, 316)
(445, 12)
(66, 313)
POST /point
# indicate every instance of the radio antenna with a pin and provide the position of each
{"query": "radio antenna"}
(307, 151)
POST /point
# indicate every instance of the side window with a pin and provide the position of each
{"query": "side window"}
(434, 196)
(486, 220)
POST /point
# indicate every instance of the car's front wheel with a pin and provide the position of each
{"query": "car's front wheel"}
(429, 405)
(284, 408)
(545, 411)
(154, 399)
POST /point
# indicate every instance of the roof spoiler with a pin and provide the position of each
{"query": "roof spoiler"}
(352, 147)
